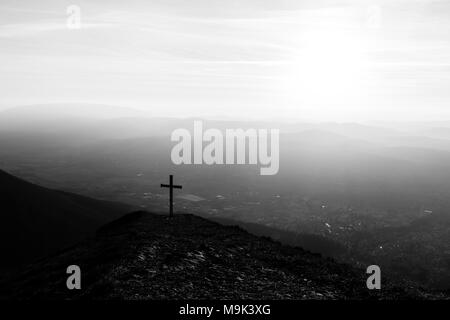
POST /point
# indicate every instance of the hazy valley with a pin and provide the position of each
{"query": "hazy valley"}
(367, 193)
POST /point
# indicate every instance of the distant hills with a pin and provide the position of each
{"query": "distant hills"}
(60, 111)
(361, 187)
(37, 221)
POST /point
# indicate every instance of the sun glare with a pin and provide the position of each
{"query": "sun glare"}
(324, 78)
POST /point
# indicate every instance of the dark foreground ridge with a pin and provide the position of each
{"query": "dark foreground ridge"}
(149, 256)
(36, 221)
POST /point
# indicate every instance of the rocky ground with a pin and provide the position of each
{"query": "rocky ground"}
(150, 256)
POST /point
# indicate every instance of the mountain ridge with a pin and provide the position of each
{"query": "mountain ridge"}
(144, 255)
(37, 221)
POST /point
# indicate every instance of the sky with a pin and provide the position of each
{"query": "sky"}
(320, 60)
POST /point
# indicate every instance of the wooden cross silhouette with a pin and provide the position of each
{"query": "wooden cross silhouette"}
(171, 186)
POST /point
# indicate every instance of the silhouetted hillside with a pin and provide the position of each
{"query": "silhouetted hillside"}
(149, 256)
(36, 221)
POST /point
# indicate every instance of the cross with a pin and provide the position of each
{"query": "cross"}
(171, 186)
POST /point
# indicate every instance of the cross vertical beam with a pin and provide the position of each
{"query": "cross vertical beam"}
(171, 186)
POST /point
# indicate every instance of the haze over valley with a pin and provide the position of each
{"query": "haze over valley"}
(378, 191)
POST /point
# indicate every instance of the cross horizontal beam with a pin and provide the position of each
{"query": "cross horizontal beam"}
(169, 186)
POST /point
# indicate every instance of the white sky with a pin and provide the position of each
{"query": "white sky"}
(310, 60)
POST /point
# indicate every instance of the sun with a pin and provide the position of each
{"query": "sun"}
(324, 78)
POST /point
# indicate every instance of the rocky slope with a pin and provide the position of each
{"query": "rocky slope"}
(149, 256)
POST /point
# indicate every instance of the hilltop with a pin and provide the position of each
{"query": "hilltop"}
(149, 256)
